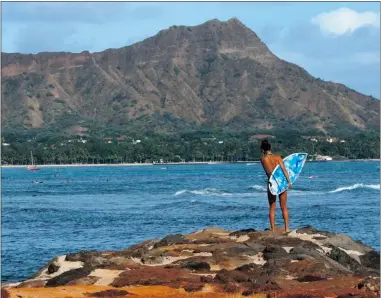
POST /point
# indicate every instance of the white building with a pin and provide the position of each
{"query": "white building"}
(323, 157)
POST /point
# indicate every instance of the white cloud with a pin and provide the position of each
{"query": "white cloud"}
(345, 20)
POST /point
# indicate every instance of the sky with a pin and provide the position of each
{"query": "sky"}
(335, 41)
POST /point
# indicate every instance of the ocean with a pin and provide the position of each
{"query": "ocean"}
(60, 210)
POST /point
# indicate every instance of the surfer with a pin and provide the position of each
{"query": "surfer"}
(269, 162)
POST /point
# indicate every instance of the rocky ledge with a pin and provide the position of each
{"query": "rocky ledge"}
(215, 263)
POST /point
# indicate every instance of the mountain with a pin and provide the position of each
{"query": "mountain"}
(217, 74)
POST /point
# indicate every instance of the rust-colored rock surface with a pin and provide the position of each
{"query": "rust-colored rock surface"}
(214, 263)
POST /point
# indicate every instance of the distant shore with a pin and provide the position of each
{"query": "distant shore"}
(169, 163)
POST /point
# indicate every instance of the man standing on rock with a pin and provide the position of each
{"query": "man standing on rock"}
(269, 162)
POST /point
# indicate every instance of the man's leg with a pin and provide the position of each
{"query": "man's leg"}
(283, 206)
(272, 206)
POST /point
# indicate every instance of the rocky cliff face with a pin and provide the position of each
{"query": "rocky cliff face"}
(215, 263)
(216, 74)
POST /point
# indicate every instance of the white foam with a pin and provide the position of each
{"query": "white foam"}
(204, 192)
(355, 186)
(258, 187)
(180, 192)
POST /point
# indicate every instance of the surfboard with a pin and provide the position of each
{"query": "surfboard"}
(294, 164)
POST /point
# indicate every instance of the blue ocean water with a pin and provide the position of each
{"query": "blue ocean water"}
(111, 208)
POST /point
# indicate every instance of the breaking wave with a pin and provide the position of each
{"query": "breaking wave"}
(258, 187)
(355, 186)
(204, 192)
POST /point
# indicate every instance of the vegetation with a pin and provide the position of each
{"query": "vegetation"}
(117, 145)
(176, 70)
(59, 100)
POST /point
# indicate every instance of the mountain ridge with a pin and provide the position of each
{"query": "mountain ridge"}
(217, 74)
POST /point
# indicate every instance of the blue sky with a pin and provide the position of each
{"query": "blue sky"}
(337, 41)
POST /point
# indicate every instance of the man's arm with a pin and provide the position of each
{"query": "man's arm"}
(281, 164)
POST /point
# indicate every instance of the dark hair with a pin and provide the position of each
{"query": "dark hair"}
(265, 145)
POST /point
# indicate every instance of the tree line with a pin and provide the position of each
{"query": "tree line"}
(200, 146)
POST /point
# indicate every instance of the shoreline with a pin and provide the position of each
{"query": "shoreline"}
(172, 163)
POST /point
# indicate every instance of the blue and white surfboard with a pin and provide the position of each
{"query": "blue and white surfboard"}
(294, 164)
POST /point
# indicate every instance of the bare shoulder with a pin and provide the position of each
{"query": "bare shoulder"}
(279, 158)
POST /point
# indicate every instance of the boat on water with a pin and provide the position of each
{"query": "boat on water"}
(32, 167)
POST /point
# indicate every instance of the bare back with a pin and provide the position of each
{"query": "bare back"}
(269, 163)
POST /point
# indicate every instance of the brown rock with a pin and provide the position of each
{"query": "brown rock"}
(32, 284)
(306, 267)
(247, 293)
(254, 236)
(274, 252)
(230, 287)
(225, 276)
(87, 280)
(370, 284)
(263, 284)
(350, 295)
(301, 296)
(170, 240)
(193, 287)
(4, 293)
(110, 293)
(310, 230)
(196, 266)
(309, 278)
(250, 268)
(53, 267)
(206, 279)
(280, 241)
(242, 232)
(344, 259)
(68, 276)
(276, 267)
(138, 250)
(371, 259)
(154, 276)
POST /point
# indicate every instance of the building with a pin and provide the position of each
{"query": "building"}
(82, 141)
(323, 138)
(323, 157)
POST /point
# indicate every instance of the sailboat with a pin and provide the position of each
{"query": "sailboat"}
(32, 167)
